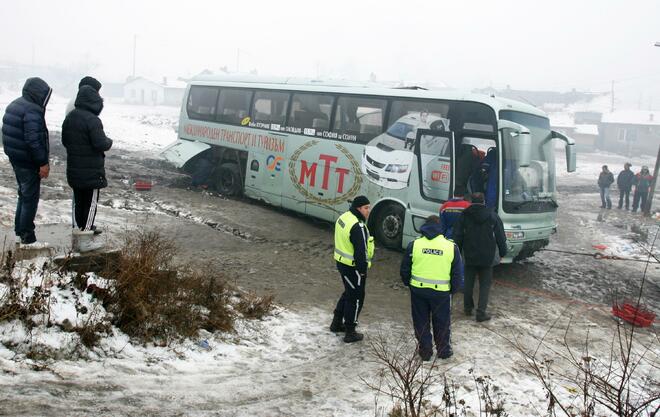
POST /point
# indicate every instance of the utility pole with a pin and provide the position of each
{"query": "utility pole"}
(612, 94)
(238, 59)
(649, 202)
(134, 49)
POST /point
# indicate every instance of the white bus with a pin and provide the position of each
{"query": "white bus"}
(311, 147)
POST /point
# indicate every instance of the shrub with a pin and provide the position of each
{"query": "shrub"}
(153, 300)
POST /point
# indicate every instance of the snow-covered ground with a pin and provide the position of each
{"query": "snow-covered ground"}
(287, 364)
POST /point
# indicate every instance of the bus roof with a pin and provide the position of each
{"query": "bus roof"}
(351, 87)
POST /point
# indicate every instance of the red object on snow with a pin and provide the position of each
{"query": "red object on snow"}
(142, 185)
(599, 247)
(637, 315)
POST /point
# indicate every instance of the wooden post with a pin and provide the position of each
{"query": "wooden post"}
(649, 201)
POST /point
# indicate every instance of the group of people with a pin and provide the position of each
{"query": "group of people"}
(455, 250)
(25, 141)
(625, 182)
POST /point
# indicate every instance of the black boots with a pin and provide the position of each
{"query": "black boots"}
(483, 316)
(352, 336)
(337, 325)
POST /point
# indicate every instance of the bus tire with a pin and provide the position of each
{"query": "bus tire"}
(228, 179)
(388, 225)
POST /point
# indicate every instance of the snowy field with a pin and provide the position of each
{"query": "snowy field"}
(134, 128)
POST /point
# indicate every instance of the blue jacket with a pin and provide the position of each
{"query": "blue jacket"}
(431, 231)
(24, 132)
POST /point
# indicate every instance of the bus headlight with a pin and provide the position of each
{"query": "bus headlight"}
(396, 168)
(515, 235)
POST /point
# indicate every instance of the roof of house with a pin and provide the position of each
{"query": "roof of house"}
(586, 129)
(632, 117)
(171, 82)
(561, 119)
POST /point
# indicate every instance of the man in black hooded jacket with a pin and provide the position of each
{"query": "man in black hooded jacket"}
(25, 141)
(479, 233)
(86, 144)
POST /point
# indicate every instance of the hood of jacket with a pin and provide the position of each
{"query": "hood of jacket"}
(37, 91)
(478, 212)
(431, 230)
(89, 99)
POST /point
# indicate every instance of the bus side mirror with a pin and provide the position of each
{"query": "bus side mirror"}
(524, 142)
(522, 139)
(571, 164)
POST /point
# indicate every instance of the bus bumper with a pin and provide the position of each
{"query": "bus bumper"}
(519, 249)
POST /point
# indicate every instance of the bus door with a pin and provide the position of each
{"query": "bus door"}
(433, 182)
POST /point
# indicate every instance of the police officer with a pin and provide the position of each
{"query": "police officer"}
(433, 269)
(354, 249)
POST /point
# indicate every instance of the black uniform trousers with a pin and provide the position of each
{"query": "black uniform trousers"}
(351, 301)
(485, 274)
(431, 309)
(84, 207)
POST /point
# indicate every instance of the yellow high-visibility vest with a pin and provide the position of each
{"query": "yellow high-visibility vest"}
(344, 251)
(431, 263)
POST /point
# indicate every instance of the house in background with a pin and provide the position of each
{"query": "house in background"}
(140, 90)
(585, 134)
(632, 132)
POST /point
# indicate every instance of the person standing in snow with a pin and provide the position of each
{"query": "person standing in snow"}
(86, 143)
(432, 268)
(642, 187)
(605, 181)
(450, 211)
(479, 234)
(25, 141)
(354, 249)
(625, 181)
(87, 80)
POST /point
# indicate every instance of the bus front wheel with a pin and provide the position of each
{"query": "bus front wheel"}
(388, 225)
(228, 179)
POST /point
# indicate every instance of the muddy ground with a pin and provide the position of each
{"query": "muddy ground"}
(270, 250)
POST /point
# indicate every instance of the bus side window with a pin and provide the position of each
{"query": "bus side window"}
(233, 105)
(311, 111)
(360, 117)
(270, 107)
(202, 102)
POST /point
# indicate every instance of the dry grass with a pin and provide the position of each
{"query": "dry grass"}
(252, 306)
(154, 300)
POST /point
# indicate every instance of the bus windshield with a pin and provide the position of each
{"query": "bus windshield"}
(532, 188)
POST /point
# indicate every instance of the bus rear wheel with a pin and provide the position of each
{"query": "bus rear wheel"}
(228, 179)
(388, 226)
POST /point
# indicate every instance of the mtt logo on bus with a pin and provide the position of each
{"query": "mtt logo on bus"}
(310, 169)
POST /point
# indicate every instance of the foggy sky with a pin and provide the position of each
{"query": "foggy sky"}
(558, 44)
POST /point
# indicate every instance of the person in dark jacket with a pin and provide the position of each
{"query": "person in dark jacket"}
(354, 249)
(87, 80)
(433, 270)
(605, 180)
(642, 187)
(479, 234)
(86, 144)
(625, 181)
(25, 141)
